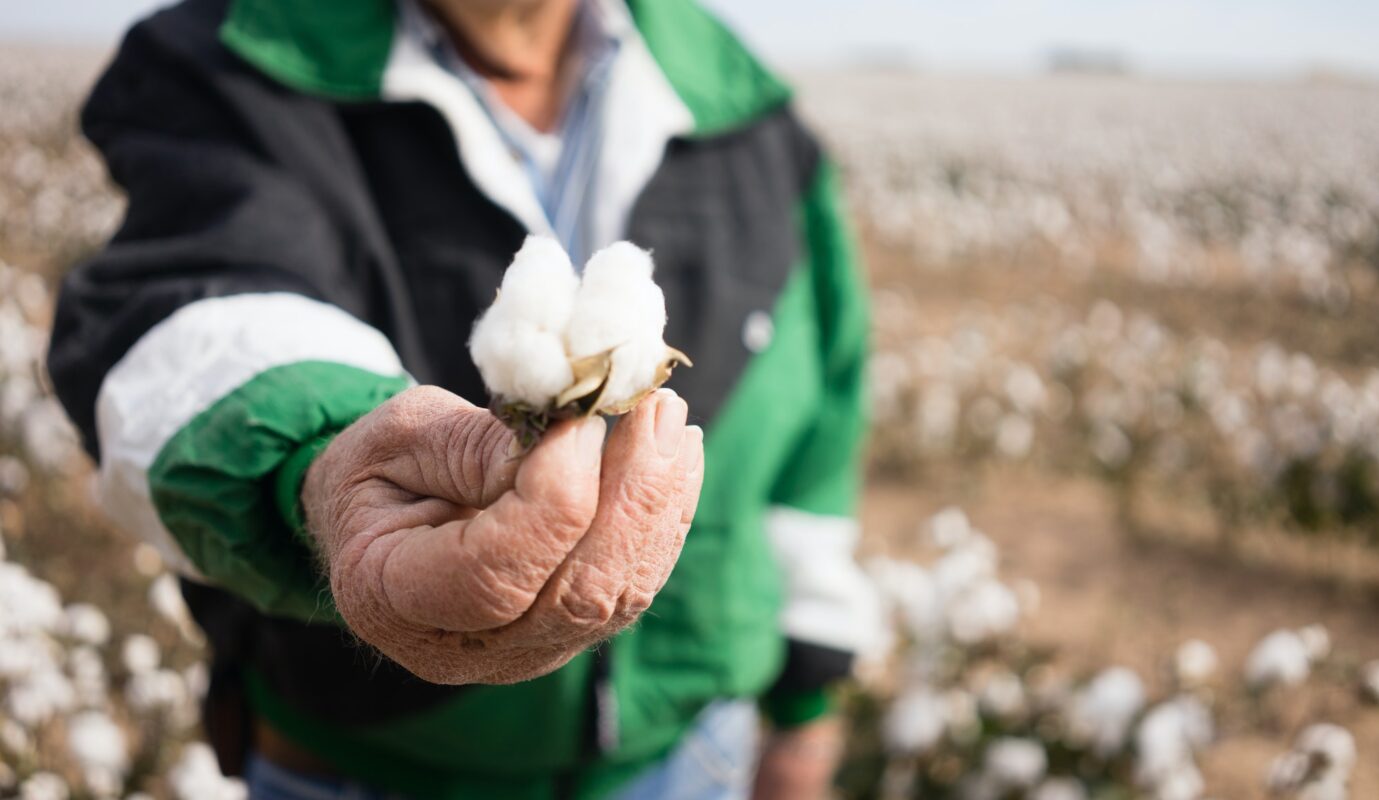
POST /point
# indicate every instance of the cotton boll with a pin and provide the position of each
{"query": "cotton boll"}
(44, 786)
(539, 286)
(86, 623)
(1279, 659)
(617, 303)
(1102, 712)
(915, 722)
(1016, 763)
(949, 528)
(984, 611)
(1167, 739)
(197, 776)
(1059, 789)
(616, 266)
(140, 654)
(1331, 745)
(1317, 641)
(518, 360)
(1002, 695)
(100, 748)
(1194, 663)
(166, 598)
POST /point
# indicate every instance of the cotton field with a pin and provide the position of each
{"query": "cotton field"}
(1189, 183)
(1100, 304)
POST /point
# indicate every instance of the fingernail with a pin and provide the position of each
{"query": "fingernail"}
(671, 413)
(591, 433)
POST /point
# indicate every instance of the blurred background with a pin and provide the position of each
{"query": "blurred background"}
(1123, 497)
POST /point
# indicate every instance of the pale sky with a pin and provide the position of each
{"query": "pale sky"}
(1181, 36)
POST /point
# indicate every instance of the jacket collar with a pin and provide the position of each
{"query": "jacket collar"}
(341, 50)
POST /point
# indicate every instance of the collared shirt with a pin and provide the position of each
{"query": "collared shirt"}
(562, 165)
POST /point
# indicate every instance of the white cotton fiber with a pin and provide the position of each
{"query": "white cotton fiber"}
(539, 287)
(518, 360)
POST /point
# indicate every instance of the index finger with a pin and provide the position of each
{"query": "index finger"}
(484, 572)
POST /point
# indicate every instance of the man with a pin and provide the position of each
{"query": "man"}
(269, 362)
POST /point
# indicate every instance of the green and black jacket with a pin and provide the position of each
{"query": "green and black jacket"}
(299, 246)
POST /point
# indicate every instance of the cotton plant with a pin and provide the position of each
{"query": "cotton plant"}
(996, 717)
(69, 726)
(557, 344)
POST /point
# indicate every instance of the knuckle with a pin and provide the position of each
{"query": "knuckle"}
(633, 603)
(568, 507)
(586, 608)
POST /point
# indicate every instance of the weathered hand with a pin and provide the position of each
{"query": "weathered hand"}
(467, 565)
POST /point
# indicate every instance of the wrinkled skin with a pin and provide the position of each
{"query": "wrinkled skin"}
(467, 564)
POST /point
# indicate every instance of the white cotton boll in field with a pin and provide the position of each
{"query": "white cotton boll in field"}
(1166, 742)
(949, 528)
(100, 749)
(1184, 783)
(1101, 713)
(88, 675)
(44, 786)
(86, 623)
(1014, 436)
(1280, 659)
(197, 776)
(39, 697)
(969, 563)
(24, 655)
(960, 715)
(1002, 695)
(165, 595)
(30, 604)
(162, 691)
(1369, 681)
(1317, 641)
(1059, 789)
(15, 738)
(147, 560)
(910, 591)
(1330, 745)
(984, 611)
(140, 654)
(915, 722)
(1016, 763)
(1194, 663)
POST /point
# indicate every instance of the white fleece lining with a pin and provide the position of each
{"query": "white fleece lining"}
(184, 364)
(828, 599)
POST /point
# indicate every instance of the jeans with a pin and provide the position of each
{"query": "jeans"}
(715, 761)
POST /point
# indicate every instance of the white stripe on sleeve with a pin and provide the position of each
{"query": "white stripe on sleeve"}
(187, 362)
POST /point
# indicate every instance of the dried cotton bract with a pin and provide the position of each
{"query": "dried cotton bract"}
(554, 345)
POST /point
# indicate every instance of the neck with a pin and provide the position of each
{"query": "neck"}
(518, 46)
